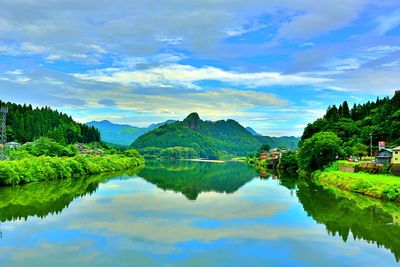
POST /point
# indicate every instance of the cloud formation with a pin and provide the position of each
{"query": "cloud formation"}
(186, 76)
(241, 59)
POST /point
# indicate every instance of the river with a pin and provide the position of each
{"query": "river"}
(180, 213)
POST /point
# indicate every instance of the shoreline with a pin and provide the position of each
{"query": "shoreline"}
(45, 168)
(378, 186)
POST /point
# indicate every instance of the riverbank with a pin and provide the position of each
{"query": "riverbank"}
(43, 168)
(381, 186)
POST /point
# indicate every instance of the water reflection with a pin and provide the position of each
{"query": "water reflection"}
(233, 218)
(346, 214)
(51, 197)
(192, 178)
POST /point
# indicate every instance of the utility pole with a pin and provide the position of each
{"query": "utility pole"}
(3, 132)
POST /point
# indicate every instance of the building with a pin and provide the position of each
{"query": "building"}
(384, 156)
(396, 155)
(264, 155)
(96, 152)
(276, 155)
(13, 145)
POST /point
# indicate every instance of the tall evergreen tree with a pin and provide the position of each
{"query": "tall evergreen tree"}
(345, 110)
(25, 124)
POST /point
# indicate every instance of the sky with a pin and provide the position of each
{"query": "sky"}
(272, 65)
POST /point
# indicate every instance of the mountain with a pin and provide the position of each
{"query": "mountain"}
(217, 139)
(183, 176)
(209, 139)
(290, 142)
(122, 134)
(250, 130)
(156, 125)
(355, 125)
(25, 123)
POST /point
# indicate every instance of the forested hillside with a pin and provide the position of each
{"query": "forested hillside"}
(381, 118)
(25, 124)
(289, 142)
(209, 139)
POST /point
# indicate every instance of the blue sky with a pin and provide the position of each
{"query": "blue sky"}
(272, 65)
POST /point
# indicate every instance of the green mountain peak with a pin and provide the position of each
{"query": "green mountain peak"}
(192, 120)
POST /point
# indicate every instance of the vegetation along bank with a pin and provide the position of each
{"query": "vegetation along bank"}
(45, 159)
(341, 137)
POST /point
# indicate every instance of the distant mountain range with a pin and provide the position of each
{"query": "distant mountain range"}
(125, 135)
(122, 134)
(250, 130)
(290, 142)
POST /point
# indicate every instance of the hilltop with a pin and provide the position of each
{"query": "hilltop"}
(205, 139)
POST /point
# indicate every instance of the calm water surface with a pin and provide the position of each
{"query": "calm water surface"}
(194, 214)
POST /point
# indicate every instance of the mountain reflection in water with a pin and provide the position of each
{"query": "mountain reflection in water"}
(344, 214)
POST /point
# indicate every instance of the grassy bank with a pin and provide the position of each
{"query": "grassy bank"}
(32, 169)
(380, 186)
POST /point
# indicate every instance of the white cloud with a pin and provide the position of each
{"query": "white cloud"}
(246, 28)
(383, 49)
(53, 57)
(13, 72)
(98, 49)
(32, 48)
(186, 75)
(169, 40)
(315, 17)
(388, 22)
(345, 64)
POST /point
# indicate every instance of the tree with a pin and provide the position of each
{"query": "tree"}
(25, 124)
(288, 161)
(380, 117)
(345, 110)
(360, 150)
(265, 148)
(319, 151)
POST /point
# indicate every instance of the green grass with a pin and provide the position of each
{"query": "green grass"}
(380, 186)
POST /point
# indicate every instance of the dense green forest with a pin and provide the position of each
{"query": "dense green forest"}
(380, 117)
(25, 124)
(209, 139)
(206, 139)
(345, 132)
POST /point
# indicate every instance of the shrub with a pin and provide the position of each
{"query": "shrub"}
(52, 168)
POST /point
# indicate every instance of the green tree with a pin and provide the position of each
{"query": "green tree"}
(360, 150)
(288, 161)
(345, 110)
(319, 150)
(265, 148)
(25, 124)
